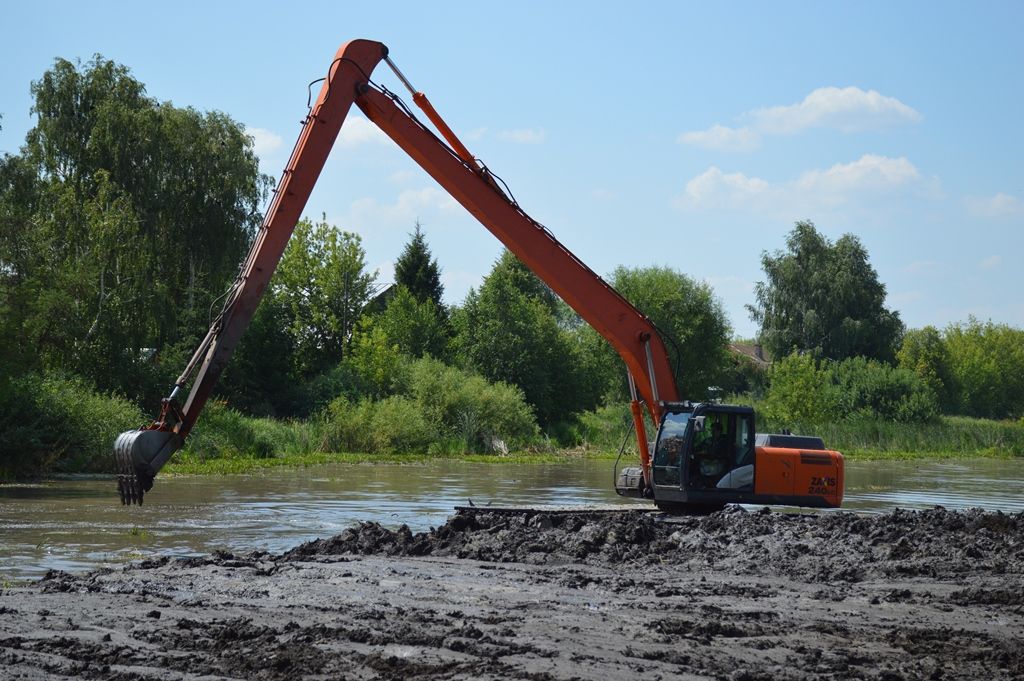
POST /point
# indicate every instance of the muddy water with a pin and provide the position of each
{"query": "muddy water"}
(77, 524)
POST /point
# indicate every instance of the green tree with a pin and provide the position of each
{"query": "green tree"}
(415, 318)
(690, 320)
(322, 278)
(260, 378)
(21, 257)
(868, 388)
(417, 270)
(507, 331)
(987, 363)
(416, 327)
(924, 352)
(800, 392)
(824, 298)
(138, 213)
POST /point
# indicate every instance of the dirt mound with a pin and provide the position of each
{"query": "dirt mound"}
(546, 596)
(826, 547)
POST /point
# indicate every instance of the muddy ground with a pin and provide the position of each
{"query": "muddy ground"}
(734, 595)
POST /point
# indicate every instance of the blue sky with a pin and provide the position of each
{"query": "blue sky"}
(680, 134)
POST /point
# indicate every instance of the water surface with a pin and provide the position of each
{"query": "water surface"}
(78, 524)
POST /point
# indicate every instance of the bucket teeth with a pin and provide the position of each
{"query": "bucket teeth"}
(138, 457)
(129, 485)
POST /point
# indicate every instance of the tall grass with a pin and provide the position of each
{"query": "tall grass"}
(600, 430)
(944, 436)
(956, 436)
(223, 433)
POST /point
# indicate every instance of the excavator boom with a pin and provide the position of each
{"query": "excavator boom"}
(140, 454)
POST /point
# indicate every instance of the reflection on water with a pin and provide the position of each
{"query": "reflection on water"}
(992, 484)
(78, 524)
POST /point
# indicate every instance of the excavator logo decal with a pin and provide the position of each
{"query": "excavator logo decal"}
(821, 485)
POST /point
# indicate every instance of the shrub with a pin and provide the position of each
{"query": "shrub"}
(394, 424)
(605, 427)
(800, 391)
(59, 425)
(314, 394)
(467, 407)
(987, 363)
(442, 410)
(803, 390)
(222, 432)
(873, 389)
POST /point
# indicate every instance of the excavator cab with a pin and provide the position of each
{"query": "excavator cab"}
(705, 447)
(709, 455)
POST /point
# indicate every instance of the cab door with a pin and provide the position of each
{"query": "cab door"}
(670, 450)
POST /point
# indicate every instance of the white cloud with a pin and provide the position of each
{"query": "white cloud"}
(847, 109)
(869, 176)
(998, 206)
(991, 262)
(904, 297)
(264, 141)
(408, 207)
(922, 266)
(401, 176)
(722, 138)
(869, 172)
(522, 136)
(602, 195)
(358, 130)
(714, 186)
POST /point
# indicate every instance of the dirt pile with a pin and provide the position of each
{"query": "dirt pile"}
(734, 595)
(939, 544)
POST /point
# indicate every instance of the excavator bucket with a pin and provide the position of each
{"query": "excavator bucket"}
(138, 455)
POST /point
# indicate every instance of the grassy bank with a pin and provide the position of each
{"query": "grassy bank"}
(227, 442)
(58, 426)
(189, 464)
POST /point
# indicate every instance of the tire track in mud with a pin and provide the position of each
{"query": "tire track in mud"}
(733, 595)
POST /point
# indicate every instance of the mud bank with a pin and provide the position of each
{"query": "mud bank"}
(734, 595)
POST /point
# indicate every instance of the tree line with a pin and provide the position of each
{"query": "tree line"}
(840, 353)
(123, 221)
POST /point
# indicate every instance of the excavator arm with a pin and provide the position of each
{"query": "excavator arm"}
(140, 454)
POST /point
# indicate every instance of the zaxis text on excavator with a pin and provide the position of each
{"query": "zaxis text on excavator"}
(703, 456)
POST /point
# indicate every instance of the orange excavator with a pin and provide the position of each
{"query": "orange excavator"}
(703, 456)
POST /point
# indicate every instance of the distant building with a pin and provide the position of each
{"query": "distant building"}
(753, 351)
(382, 296)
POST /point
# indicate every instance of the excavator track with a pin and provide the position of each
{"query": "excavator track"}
(555, 510)
(666, 512)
